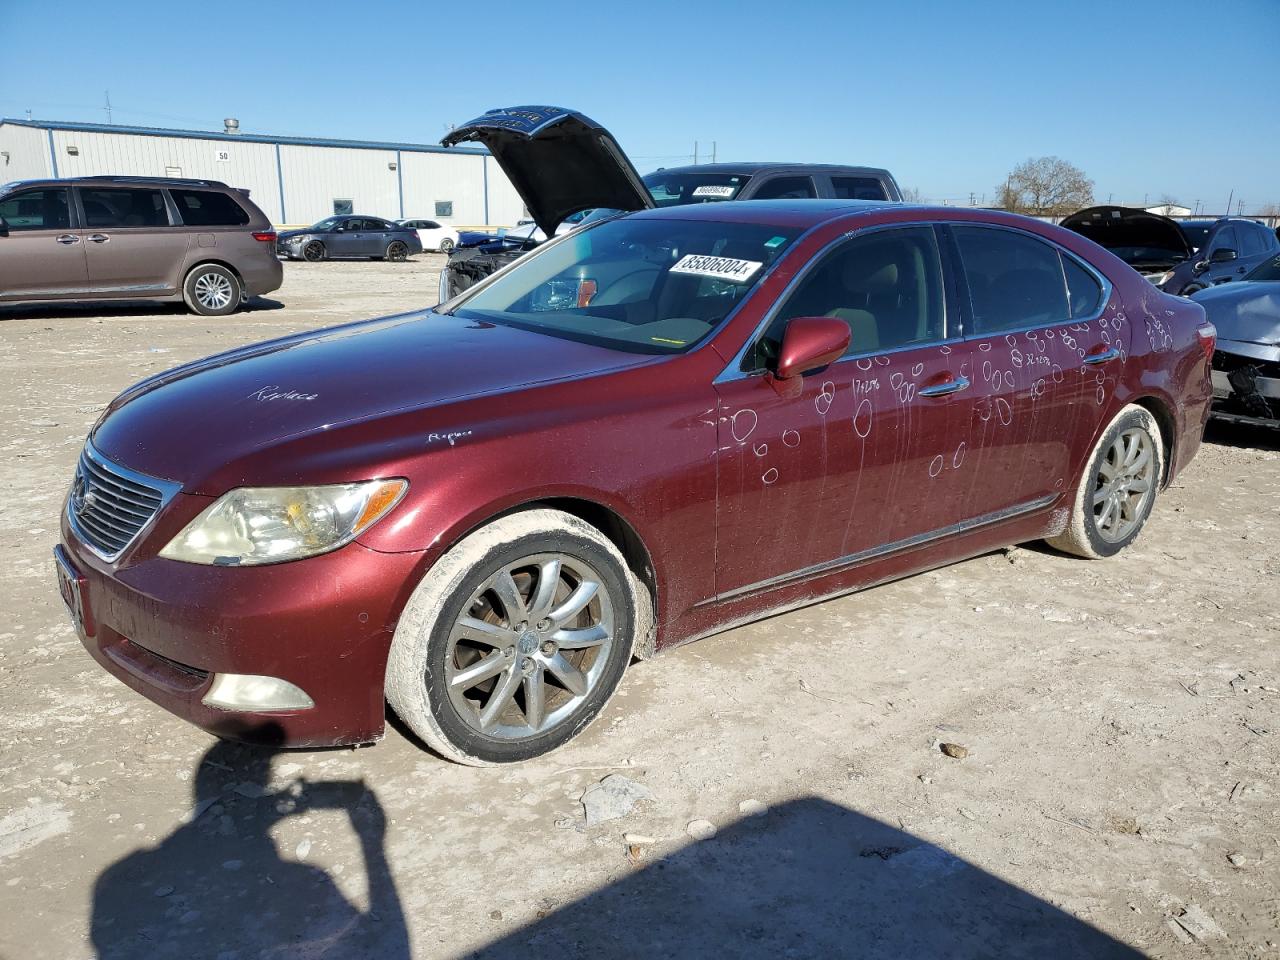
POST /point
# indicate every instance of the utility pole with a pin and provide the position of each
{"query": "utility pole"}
(28, 113)
(1231, 196)
(1239, 208)
(972, 197)
(108, 106)
(713, 151)
(695, 152)
(1197, 209)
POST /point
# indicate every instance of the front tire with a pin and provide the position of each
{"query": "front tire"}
(211, 290)
(314, 251)
(514, 640)
(1118, 488)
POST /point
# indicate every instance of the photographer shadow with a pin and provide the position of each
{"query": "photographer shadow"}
(218, 887)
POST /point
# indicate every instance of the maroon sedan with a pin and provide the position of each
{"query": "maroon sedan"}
(646, 431)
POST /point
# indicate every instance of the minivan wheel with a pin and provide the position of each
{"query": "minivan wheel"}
(313, 251)
(1118, 489)
(212, 290)
(397, 251)
(514, 640)
(446, 245)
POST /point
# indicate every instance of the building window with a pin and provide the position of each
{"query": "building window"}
(444, 208)
(342, 208)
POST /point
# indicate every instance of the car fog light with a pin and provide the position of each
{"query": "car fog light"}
(241, 691)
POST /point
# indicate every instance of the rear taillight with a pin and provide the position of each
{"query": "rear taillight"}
(1208, 335)
(266, 236)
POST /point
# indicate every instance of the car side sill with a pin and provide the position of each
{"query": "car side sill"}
(884, 550)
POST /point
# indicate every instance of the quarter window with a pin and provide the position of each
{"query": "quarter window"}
(887, 286)
(123, 208)
(858, 188)
(1014, 280)
(205, 208)
(785, 188)
(36, 210)
(1083, 290)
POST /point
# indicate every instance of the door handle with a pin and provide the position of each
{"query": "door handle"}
(942, 389)
(1104, 357)
(98, 238)
(67, 239)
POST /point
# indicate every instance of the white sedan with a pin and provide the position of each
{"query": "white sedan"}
(433, 235)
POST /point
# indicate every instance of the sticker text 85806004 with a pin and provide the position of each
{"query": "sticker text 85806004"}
(722, 268)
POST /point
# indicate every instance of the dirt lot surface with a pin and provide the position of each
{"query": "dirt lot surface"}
(1120, 794)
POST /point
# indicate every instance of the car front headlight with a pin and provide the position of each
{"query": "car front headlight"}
(255, 525)
(294, 239)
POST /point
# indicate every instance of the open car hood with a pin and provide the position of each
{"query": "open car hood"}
(1122, 229)
(559, 161)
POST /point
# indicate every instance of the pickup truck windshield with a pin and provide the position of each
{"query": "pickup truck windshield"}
(672, 189)
(639, 285)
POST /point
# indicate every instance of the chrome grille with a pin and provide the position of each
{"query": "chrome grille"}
(110, 505)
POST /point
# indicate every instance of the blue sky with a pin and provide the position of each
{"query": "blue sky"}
(1149, 98)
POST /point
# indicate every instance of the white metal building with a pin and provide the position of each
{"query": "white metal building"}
(295, 180)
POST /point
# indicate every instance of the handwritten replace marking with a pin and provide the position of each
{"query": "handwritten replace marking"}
(741, 431)
(273, 392)
(790, 438)
(770, 476)
(453, 436)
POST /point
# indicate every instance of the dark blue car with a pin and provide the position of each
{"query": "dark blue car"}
(350, 237)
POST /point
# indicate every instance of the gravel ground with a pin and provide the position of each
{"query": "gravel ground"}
(1116, 794)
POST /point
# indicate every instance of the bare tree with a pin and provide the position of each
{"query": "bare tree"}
(1045, 186)
(912, 195)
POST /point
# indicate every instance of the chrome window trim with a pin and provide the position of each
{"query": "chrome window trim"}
(884, 550)
(168, 490)
(1062, 251)
(733, 371)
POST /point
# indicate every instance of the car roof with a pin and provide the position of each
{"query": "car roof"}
(795, 213)
(755, 169)
(116, 180)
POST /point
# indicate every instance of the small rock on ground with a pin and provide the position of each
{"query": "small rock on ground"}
(701, 829)
(612, 798)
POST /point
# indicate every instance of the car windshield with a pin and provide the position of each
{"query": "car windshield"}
(1266, 272)
(328, 223)
(673, 189)
(639, 285)
(1196, 233)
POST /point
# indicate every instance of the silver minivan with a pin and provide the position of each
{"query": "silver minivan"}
(133, 238)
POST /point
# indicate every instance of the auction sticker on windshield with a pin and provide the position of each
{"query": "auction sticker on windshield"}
(713, 190)
(722, 268)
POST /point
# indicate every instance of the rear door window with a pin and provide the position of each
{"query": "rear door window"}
(785, 188)
(208, 208)
(37, 210)
(1015, 281)
(123, 208)
(858, 188)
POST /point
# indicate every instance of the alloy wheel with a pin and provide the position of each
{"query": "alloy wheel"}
(1124, 485)
(446, 245)
(313, 251)
(397, 252)
(213, 291)
(530, 646)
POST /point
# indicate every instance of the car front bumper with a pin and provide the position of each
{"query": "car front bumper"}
(322, 625)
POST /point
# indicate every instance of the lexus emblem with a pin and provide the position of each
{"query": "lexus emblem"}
(82, 496)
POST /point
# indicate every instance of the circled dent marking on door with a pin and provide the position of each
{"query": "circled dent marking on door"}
(770, 476)
(862, 419)
(760, 449)
(958, 458)
(935, 467)
(917, 369)
(826, 396)
(742, 430)
(790, 438)
(1004, 411)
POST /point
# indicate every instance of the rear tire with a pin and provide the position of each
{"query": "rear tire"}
(397, 252)
(314, 251)
(553, 660)
(1115, 494)
(211, 290)
(446, 245)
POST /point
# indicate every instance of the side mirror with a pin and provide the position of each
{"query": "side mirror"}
(809, 343)
(1223, 255)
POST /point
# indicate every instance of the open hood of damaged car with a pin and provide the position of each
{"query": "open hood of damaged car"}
(559, 161)
(1134, 235)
